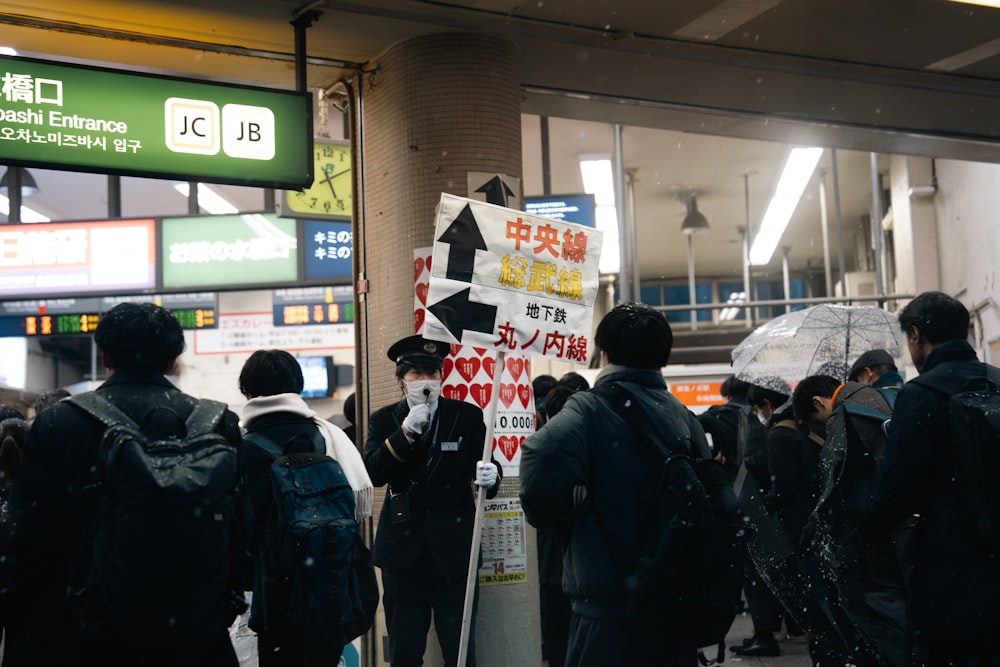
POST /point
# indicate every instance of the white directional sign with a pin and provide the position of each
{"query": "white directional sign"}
(509, 281)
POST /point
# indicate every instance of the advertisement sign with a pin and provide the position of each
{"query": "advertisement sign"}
(508, 281)
(228, 251)
(504, 556)
(327, 251)
(108, 121)
(60, 258)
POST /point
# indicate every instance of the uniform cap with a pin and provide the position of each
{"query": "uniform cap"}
(418, 351)
(870, 359)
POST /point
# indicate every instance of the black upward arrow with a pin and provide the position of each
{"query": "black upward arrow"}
(496, 191)
(465, 239)
(457, 314)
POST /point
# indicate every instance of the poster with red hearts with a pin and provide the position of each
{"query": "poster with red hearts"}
(469, 373)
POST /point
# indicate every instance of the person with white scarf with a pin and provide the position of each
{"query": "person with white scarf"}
(271, 380)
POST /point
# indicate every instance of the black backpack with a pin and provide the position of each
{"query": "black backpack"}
(317, 569)
(974, 427)
(689, 570)
(163, 539)
(751, 444)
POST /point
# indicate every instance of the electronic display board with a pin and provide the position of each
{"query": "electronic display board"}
(313, 305)
(327, 249)
(570, 208)
(69, 258)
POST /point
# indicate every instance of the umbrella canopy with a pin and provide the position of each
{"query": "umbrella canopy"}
(825, 339)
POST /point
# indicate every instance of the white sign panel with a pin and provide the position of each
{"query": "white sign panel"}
(249, 332)
(508, 281)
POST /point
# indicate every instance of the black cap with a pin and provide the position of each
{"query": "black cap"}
(418, 351)
(870, 359)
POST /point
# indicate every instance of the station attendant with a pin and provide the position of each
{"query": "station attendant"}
(428, 450)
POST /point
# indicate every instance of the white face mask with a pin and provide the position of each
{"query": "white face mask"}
(762, 418)
(423, 391)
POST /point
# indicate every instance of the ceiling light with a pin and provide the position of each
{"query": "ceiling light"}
(208, 199)
(7, 51)
(597, 180)
(27, 214)
(694, 221)
(794, 177)
(982, 3)
(28, 185)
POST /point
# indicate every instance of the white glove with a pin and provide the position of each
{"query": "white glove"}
(486, 474)
(417, 420)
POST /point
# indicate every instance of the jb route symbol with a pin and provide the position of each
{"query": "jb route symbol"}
(509, 281)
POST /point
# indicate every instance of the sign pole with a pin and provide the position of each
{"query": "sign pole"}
(470, 581)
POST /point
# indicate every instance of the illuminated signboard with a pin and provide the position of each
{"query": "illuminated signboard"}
(327, 250)
(77, 258)
(193, 311)
(313, 305)
(109, 121)
(228, 251)
(569, 208)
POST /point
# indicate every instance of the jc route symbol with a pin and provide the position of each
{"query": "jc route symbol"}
(200, 127)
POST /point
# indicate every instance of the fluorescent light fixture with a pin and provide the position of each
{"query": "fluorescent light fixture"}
(7, 51)
(597, 180)
(27, 214)
(208, 199)
(606, 220)
(981, 3)
(794, 177)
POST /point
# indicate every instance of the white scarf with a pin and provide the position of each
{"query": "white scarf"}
(338, 446)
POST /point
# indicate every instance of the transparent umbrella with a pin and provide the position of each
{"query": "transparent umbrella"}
(826, 338)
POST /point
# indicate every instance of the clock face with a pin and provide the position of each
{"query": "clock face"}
(330, 193)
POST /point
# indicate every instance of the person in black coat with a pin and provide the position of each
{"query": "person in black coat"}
(54, 506)
(955, 582)
(429, 450)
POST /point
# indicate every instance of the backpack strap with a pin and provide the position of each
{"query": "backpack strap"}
(102, 409)
(889, 394)
(790, 424)
(623, 402)
(860, 410)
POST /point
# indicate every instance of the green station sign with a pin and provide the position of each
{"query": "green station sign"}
(108, 121)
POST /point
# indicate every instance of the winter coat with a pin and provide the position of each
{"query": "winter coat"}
(589, 447)
(54, 514)
(793, 461)
(955, 584)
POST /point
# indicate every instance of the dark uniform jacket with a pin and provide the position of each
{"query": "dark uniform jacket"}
(54, 516)
(436, 471)
(955, 584)
(589, 445)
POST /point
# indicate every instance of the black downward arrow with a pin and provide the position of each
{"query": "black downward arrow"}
(457, 314)
(496, 191)
(465, 239)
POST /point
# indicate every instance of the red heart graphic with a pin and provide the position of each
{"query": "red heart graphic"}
(448, 365)
(489, 365)
(418, 268)
(467, 367)
(508, 445)
(427, 263)
(515, 365)
(457, 392)
(455, 349)
(422, 293)
(418, 319)
(507, 394)
(481, 394)
(524, 391)
(480, 350)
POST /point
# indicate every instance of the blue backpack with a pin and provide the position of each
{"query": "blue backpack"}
(319, 570)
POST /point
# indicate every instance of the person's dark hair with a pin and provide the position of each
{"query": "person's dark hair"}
(633, 334)
(575, 381)
(139, 336)
(351, 410)
(557, 397)
(734, 389)
(937, 317)
(540, 387)
(13, 431)
(756, 394)
(47, 398)
(814, 385)
(9, 411)
(270, 372)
